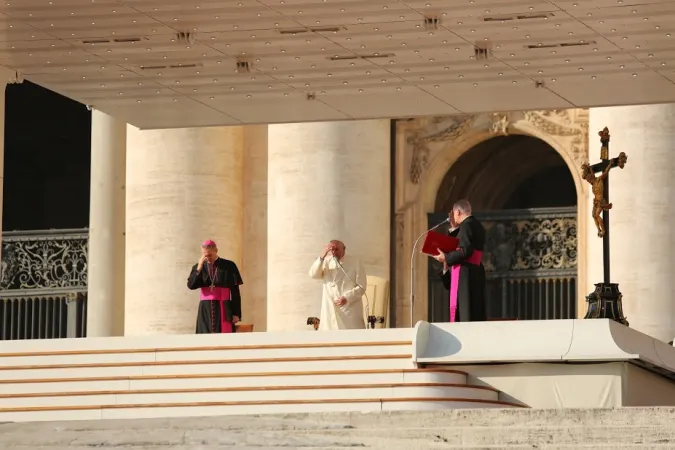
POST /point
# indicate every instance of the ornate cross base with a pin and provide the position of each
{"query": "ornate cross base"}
(605, 303)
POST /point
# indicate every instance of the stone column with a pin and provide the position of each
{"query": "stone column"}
(326, 181)
(183, 186)
(641, 221)
(105, 296)
(254, 254)
(3, 88)
(7, 76)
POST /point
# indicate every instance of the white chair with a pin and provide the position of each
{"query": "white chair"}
(378, 301)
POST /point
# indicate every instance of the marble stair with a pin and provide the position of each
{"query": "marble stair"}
(508, 429)
(181, 376)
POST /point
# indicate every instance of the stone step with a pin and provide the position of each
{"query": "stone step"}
(231, 380)
(624, 428)
(213, 366)
(188, 376)
(84, 356)
(269, 394)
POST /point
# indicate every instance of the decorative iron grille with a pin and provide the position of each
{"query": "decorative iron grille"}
(43, 284)
(530, 261)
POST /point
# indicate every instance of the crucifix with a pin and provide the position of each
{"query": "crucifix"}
(605, 301)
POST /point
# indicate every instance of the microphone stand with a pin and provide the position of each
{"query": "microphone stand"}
(412, 269)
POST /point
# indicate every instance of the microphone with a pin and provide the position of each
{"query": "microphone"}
(412, 268)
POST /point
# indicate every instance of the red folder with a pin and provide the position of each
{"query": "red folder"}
(434, 241)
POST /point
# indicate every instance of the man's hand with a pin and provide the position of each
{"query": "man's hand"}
(342, 301)
(200, 264)
(453, 224)
(327, 249)
(440, 257)
(235, 319)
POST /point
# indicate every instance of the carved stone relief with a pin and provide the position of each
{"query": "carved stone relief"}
(428, 131)
(579, 146)
(420, 156)
(559, 123)
(500, 124)
(552, 122)
(400, 229)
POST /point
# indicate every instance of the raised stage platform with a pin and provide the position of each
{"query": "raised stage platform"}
(538, 364)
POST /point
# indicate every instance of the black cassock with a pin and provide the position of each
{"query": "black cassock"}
(213, 313)
(471, 282)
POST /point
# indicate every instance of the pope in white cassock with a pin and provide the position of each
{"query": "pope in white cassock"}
(344, 283)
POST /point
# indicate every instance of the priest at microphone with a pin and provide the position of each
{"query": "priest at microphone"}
(344, 284)
(463, 272)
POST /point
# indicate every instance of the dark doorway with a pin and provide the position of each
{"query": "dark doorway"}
(523, 192)
(508, 172)
(47, 159)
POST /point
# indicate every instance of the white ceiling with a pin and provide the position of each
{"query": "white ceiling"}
(593, 53)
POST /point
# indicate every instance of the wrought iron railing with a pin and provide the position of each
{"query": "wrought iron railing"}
(531, 296)
(43, 284)
(531, 265)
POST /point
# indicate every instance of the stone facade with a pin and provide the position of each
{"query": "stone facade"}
(426, 148)
(267, 212)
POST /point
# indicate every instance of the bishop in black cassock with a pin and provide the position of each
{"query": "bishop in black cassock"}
(218, 280)
(463, 272)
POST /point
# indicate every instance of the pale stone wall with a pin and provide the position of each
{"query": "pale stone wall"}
(183, 186)
(642, 240)
(326, 181)
(426, 148)
(254, 256)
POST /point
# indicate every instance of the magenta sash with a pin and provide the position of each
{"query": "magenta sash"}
(219, 294)
(474, 259)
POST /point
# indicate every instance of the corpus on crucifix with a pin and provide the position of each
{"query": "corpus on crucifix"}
(605, 301)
